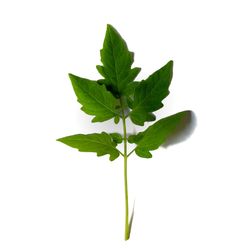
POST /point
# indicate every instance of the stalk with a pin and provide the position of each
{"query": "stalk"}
(125, 156)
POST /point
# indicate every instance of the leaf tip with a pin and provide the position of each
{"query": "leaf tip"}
(116, 119)
(111, 30)
(143, 153)
(95, 119)
(109, 26)
(72, 78)
(114, 156)
(60, 140)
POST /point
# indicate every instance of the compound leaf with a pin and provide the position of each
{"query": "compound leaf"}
(149, 94)
(155, 135)
(117, 61)
(100, 143)
(95, 99)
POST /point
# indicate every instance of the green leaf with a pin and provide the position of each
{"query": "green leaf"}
(100, 143)
(150, 93)
(129, 93)
(95, 98)
(117, 138)
(117, 61)
(116, 119)
(135, 138)
(130, 88)
(155, 135)
(143, 153)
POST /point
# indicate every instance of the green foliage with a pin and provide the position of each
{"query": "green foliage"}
(96, 100)
(158, 133)
(116, 137)
(119, 96)
(100, 143)
(117, 61)
(149, 93)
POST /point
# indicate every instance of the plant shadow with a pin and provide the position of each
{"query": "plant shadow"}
(183, 132)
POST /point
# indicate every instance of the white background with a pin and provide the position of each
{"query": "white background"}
(193, 195)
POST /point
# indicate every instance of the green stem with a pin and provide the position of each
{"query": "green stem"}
(131, 152)
(127, 231)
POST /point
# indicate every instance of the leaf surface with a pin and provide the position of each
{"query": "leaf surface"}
(149, 94)
(95, 99)
(117, 61)
(155, 135)
(100, 143)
